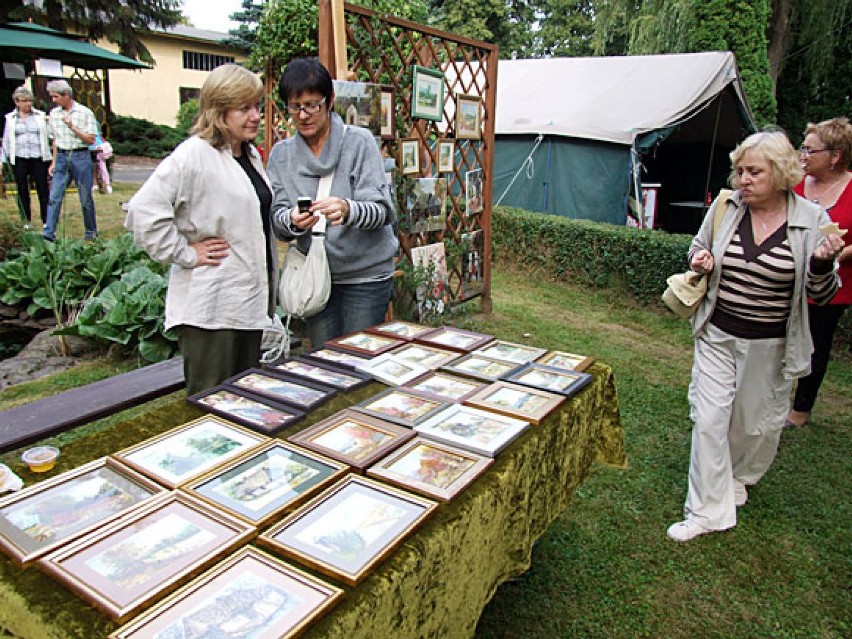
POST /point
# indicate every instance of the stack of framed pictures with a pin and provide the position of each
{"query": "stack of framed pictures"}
(401, 406)
(251, 594)
(270, 480)
(190, 450)
(124, 567)
(342, 380)
(430, 468)
(479, 431)
(350, 528)
(46, 515)
(558, 380)
(352, 437)
(258, 413)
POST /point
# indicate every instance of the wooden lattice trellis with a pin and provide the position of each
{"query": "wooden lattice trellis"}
(382, 49)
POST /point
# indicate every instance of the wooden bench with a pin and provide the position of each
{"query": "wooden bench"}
(44, 417)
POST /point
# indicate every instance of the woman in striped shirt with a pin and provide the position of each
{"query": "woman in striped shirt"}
(751, 332)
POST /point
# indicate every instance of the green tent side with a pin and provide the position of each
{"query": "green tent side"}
(562, 176)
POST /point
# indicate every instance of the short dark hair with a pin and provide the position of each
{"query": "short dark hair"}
(305, 74)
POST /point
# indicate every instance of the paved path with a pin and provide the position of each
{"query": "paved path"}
(127, 169)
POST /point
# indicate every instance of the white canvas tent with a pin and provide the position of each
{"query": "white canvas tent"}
(571, 131)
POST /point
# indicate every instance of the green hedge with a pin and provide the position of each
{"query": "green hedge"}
(135, 136)
(600, 255)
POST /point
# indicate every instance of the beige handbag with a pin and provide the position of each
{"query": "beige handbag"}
(687, 290)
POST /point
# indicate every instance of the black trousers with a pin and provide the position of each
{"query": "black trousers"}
(823, 321)
(37, 168)
(212, 356)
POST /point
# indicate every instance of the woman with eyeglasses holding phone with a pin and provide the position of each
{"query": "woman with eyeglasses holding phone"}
(825, 156)
(359, 211)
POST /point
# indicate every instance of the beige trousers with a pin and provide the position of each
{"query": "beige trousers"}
(738, 402)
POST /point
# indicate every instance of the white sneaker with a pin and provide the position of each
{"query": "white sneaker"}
(109, 190)
(686, 530)
(740, 493)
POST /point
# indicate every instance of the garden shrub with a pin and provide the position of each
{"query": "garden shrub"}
(186, 115)
(135, 136)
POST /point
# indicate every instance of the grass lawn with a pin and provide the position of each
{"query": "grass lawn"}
(605, 568)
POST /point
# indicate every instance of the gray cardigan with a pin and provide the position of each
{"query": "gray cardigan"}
(803, 234)
(361, 249)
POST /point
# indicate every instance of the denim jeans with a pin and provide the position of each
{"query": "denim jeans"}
(351, 307)
(79, 165)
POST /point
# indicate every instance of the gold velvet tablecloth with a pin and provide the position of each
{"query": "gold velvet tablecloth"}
(438, 581)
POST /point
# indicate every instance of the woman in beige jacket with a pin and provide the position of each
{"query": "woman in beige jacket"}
(205, 211)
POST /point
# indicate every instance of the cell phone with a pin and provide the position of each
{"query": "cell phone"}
(304, 204)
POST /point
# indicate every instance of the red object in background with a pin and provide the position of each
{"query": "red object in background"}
(709, 199)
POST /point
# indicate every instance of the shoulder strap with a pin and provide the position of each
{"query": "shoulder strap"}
(721, 207)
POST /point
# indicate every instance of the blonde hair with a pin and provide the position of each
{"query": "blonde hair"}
(228, 86)
(775, 147)
(836, 134)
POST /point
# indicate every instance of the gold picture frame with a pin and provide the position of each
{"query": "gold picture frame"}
(378, 516)
(522, 402)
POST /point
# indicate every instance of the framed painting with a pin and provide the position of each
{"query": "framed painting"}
(251, 594)
(364, 343)
(409, 156)
(343, 359)
(523, 402)
(479, 431)
(350, 528)
(388, 112)
(359, 104)
(425, 356)
(401, 406)
(401, 329)
(427, 94)
(324, 374)
(456, 339)
(190, 450)
(511, 352)
(46, 515)
(569, 361)
(445, 151)
(468, 117)
(473, 263)
(125, 567)
(479, 367)
(430, 468)
(473, 192)
(353, 438)
(270, 480)
(444, 387)
(391, 370)
(558, 380)
(293, 391)
(253, 411)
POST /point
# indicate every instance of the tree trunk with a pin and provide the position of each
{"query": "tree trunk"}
(779, 37)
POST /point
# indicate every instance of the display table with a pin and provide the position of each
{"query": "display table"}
(438, 581)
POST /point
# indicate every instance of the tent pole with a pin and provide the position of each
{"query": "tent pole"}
(713, 148)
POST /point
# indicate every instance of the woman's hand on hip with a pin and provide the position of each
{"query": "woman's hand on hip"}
(210, 251)
(702, 262)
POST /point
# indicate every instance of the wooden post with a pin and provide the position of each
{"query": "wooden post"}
(488, 168)
(332, 38)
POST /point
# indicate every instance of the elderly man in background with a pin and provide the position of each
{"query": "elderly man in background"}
(73, 128)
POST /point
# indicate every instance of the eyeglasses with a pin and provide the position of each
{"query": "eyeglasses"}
(806, 150)
(311, 108)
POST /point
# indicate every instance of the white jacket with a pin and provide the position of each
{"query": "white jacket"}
(196, 193)
(9, 136)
